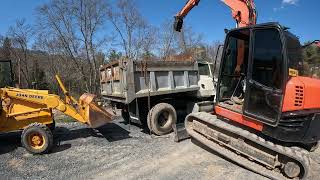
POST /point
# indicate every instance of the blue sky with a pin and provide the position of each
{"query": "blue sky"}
(209, 18)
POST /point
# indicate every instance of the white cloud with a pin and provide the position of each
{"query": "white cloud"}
(286, 3)
(291, 2)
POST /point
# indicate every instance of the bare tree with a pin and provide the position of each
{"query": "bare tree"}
(171, 43)
(20, 34)
(135, 34)
(189, 40)
(167, 42)
(75, 26)
(2, 38)
(6, 48)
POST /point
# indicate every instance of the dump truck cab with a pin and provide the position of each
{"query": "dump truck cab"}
(206, 81)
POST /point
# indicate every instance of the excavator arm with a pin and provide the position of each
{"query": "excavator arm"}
(243, 11)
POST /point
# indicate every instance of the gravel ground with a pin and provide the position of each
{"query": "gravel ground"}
(117, 151)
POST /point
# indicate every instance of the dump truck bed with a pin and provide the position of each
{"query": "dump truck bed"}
(125, 80)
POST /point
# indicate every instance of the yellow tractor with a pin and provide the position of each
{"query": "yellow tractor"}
(31, 111)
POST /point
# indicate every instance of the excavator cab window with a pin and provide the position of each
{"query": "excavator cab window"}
(266, 77)
(267, 68)
(294, 51)
(234, 66)
(252, 83)
(5, 74)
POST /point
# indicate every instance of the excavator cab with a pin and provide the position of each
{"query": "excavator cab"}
(253, 72)
(261, 85)
(6, 75)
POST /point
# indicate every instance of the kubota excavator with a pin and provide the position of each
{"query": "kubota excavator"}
(31, 111)
(267, 114)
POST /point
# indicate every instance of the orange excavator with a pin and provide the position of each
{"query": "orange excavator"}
(267, 114)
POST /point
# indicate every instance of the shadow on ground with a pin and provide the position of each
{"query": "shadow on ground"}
(9, 142)
(111, 132)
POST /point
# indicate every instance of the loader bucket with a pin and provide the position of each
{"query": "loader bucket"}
(95, 115)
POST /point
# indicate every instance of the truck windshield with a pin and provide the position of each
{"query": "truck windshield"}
(5, 74)
(204, 69)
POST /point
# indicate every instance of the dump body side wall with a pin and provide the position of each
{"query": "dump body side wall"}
(125, 80)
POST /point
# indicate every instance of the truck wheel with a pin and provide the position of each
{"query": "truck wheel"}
(37, 138)
(161, 118)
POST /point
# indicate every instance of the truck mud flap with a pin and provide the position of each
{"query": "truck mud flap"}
(180, 132)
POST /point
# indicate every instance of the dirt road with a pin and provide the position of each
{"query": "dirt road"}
(116, 151)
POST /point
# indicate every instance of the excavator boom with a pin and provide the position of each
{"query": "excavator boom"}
(243, 11)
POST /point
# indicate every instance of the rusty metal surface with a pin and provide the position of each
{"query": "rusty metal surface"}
(95, 115)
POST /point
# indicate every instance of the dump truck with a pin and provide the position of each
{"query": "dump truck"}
(30, 110)
(156, 93)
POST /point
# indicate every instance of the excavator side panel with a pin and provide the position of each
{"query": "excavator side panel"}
(239, 118)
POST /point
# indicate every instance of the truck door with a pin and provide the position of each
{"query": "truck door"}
(265, 78)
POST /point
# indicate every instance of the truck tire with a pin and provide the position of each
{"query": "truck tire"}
(161, 118)
(37, 138)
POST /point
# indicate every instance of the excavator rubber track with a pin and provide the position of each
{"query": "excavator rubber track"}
(246, 148)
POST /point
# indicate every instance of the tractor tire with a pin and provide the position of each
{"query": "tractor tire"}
(161, 118)
(37, 138)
